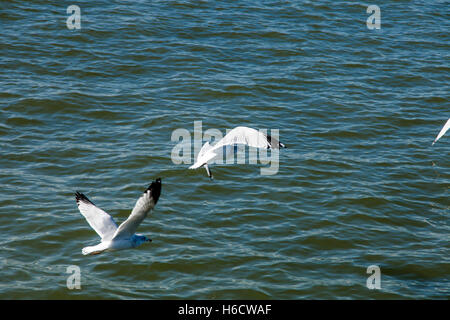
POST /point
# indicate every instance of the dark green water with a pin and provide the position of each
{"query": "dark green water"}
(94, 110)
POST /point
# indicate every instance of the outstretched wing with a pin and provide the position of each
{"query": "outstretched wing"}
(98, 219)
(443, 131)
(250, 137)
(244, 135)
(144, 204)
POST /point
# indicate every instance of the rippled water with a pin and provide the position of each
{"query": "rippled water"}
(359, 185)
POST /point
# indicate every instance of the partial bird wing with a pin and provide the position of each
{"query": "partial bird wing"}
(98, 219)
(250, 137)
(443, 131)
(206, 154)
(143, 205)
(244, 135)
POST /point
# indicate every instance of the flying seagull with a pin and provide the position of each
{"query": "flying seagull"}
(442, 132)
(239, 135)
(122, 237)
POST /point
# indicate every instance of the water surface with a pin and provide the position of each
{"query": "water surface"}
(359, 184)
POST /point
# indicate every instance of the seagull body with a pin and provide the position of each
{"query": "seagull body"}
(443, 131)
(239, 135)
(122, 237)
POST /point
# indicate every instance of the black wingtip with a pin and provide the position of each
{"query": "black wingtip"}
(155, 188)
(81, 197)
(274, 143)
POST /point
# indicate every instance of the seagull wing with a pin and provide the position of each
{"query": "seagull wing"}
(244, 135)
(143, 205)
(250, 137)
(206, 154)
(443, 131)
(98, 219)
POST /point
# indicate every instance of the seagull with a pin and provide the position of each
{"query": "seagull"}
(442, 132)
(239, 135)
(122, 237)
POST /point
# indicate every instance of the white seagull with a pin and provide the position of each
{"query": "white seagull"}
(122, 237)
(442, 132)
(239, 135)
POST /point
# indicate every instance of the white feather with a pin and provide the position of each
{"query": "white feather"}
(443, 131)
(98, 219)
(143, 205)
